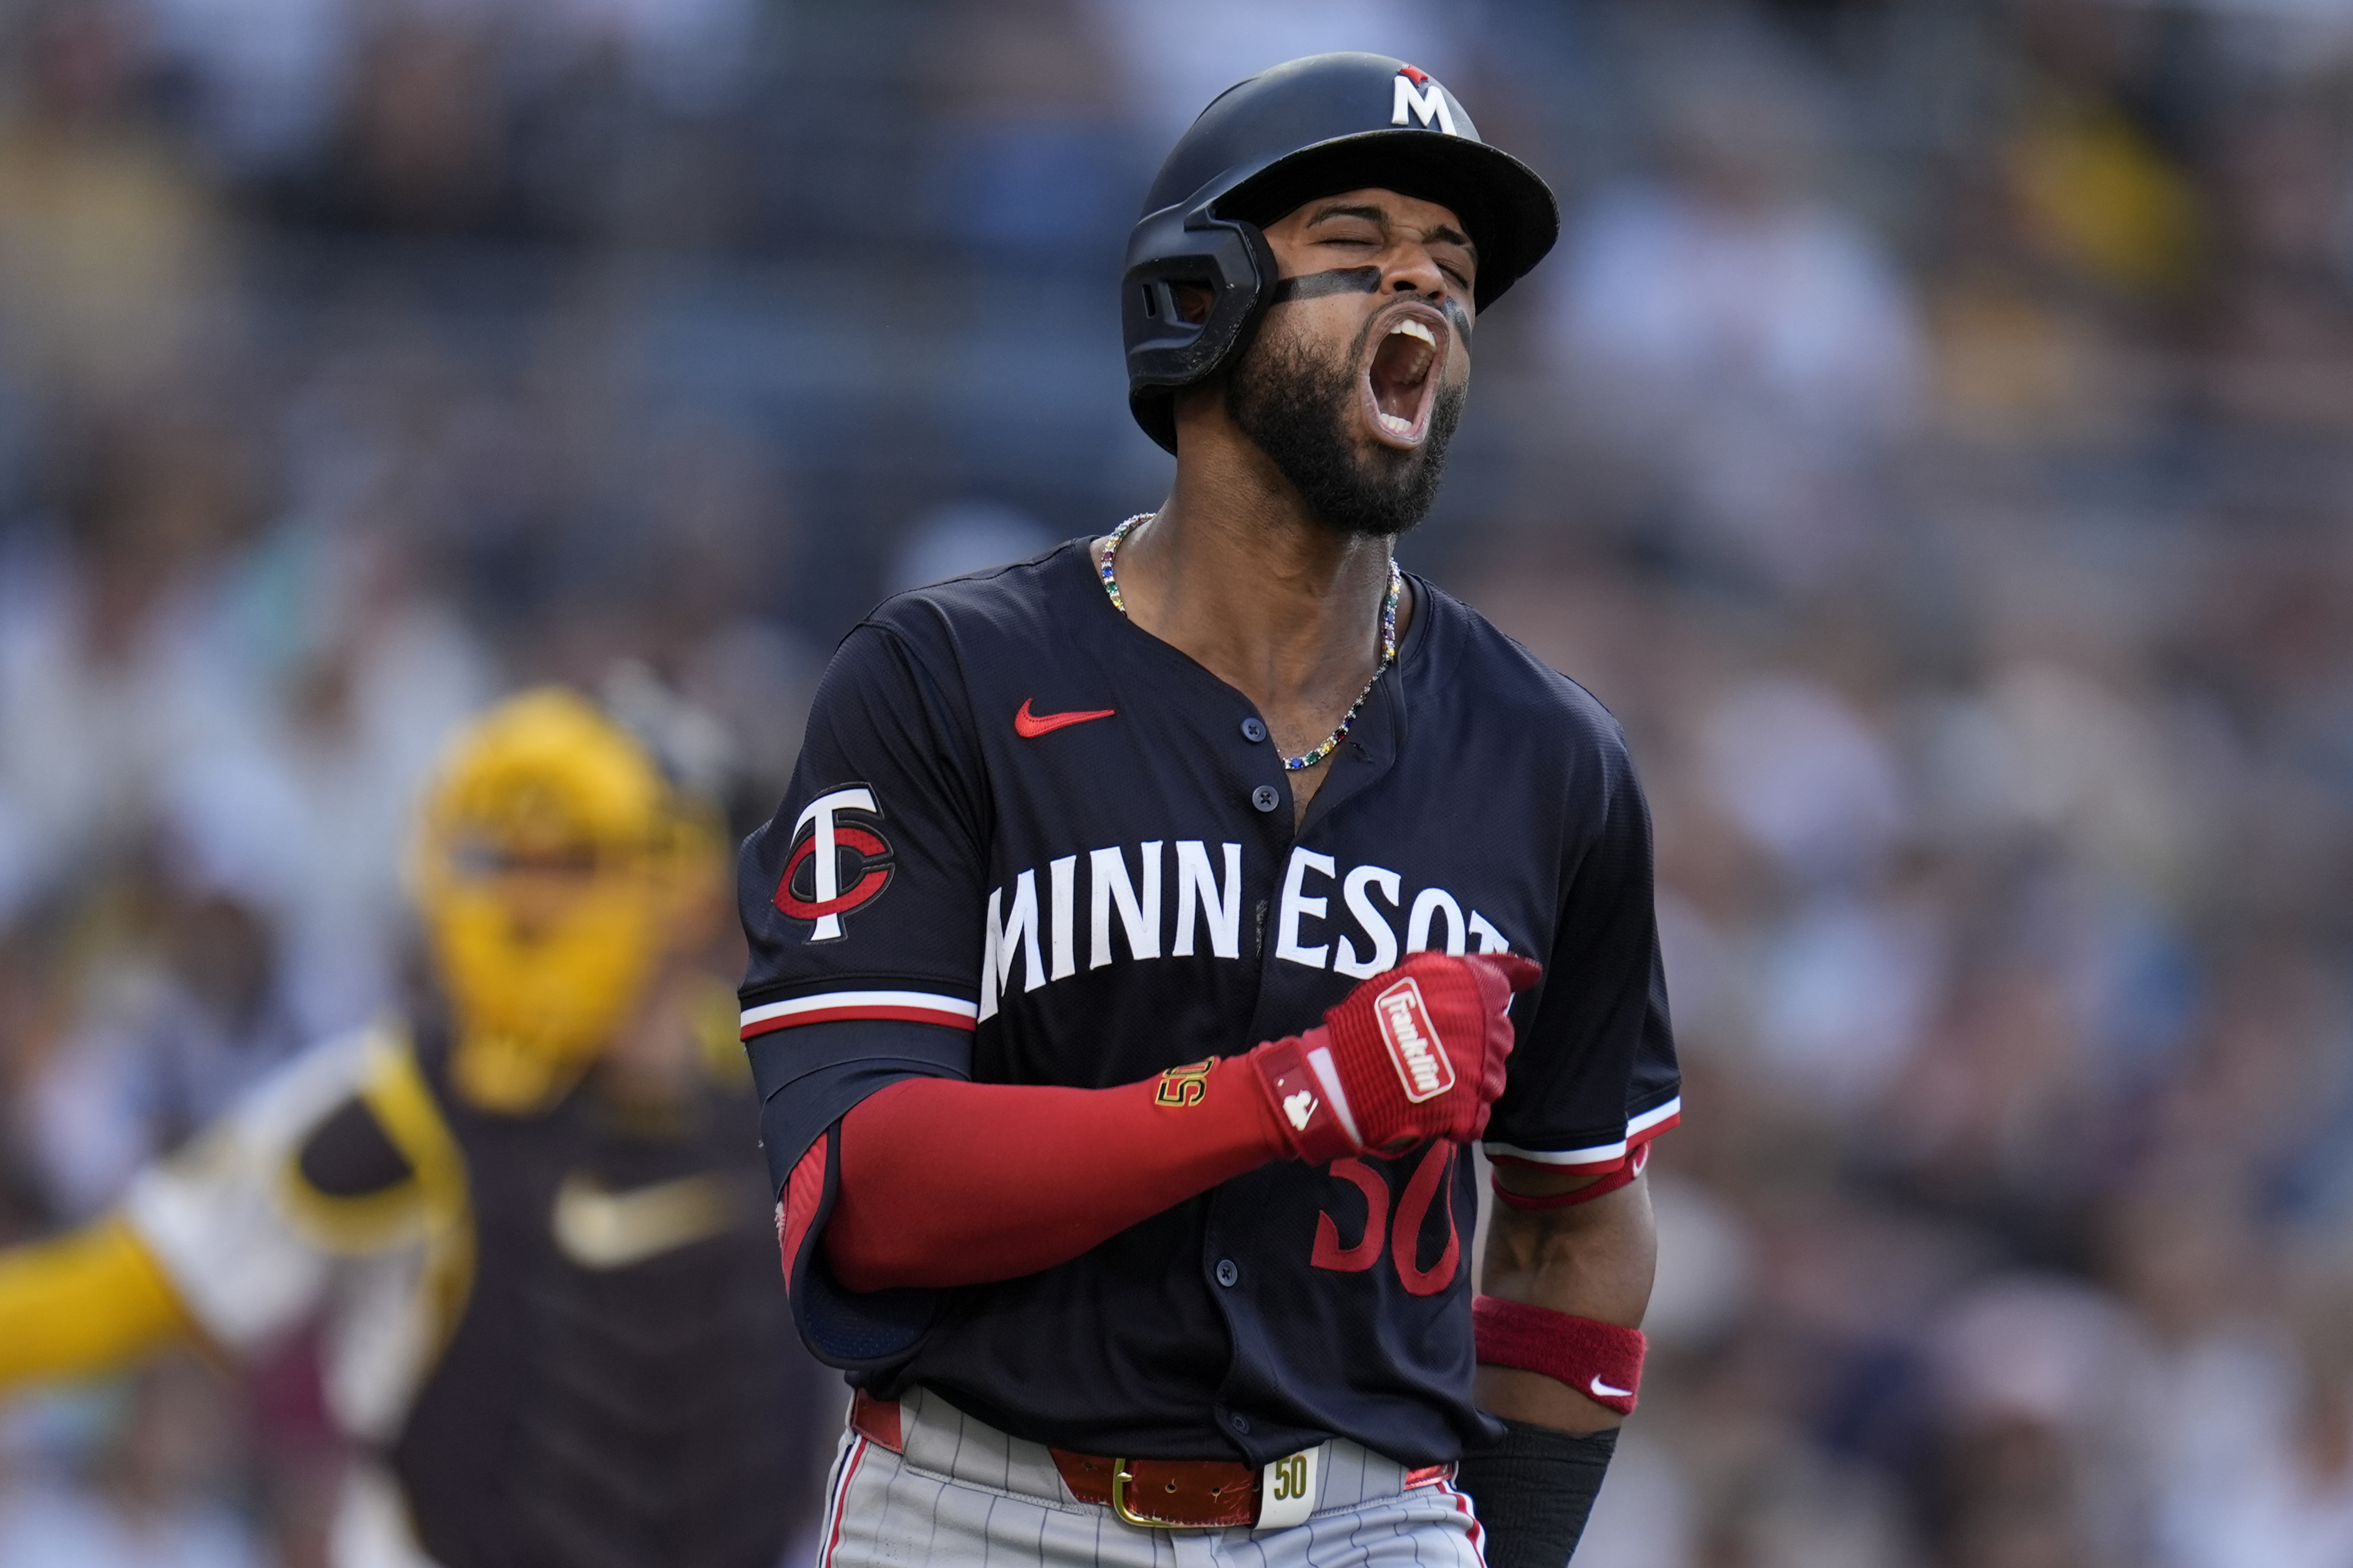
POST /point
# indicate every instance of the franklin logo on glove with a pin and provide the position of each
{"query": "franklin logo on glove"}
(1432, 1018)
(1422, 1065)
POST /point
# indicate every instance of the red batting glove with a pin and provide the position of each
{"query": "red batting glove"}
(1416, 1052)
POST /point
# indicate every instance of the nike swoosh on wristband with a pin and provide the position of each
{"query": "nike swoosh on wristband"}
(1030, 726)
(1605, 1391)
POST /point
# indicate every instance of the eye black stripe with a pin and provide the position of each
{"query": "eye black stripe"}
(1338, 281)
(1359, 280)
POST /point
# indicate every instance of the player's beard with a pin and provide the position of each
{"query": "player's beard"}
(1297, 406)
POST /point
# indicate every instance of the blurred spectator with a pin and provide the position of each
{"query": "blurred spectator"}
(2268, 1477)
(1805, 779)
(259, 79)
(106, 674)
(690, 55)
(364, 677)
(419, 144)
(110, 248)
(1738, 347)
(1029, 161)
(150, 1497)
(164, 1043)
(2102, 194)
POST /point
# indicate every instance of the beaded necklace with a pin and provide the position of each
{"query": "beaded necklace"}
(1389, 638)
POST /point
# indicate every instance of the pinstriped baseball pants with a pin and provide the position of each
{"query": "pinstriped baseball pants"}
(964, 1493)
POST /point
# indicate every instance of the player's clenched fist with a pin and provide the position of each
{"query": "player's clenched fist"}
(1416, 1052)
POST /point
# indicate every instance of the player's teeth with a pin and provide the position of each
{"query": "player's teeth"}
(1396, 422)
(1415, 329)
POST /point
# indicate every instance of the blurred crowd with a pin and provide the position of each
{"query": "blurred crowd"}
(1933, 439)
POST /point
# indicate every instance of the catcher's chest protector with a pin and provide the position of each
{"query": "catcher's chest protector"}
(616, 1390)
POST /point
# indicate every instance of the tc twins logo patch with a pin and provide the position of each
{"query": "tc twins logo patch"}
(835, 866)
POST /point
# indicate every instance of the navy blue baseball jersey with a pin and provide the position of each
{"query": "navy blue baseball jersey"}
(1030, 843)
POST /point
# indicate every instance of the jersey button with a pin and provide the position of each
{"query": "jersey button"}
(1266, 797)
(1253, 731)
(1228, 1273)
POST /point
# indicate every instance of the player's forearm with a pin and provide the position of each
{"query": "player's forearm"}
(1564, 1288)
(82, 1303)
(946, 1182)
(1593, 1262)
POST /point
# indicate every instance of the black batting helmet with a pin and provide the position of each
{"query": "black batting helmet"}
(1310, 128)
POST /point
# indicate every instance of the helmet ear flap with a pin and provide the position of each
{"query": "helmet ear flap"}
(1229, 259)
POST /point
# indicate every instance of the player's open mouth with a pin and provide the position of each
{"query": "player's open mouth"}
(1401, 379)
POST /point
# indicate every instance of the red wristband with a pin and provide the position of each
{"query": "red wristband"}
(1600, 1360)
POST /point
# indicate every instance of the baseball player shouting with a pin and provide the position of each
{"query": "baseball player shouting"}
(1151, 926)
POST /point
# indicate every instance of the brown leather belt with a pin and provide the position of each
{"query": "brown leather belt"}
(1160, 1494)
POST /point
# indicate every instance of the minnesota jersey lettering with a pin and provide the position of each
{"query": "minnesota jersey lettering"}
(1139, 912)
(1207, 901)
(1218, 904)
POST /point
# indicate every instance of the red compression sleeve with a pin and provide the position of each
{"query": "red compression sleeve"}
(944, 1183)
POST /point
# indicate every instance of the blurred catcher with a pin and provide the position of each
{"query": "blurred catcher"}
(530, 1217)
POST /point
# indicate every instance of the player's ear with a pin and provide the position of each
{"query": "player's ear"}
(1192, 301)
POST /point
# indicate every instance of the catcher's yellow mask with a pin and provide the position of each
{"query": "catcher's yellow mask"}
(553, 869)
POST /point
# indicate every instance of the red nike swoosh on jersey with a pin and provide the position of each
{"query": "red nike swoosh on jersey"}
(1030, 726)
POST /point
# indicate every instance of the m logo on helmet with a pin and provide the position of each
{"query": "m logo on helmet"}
(1415, 1049)
(835, 866)
(1418, 97)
